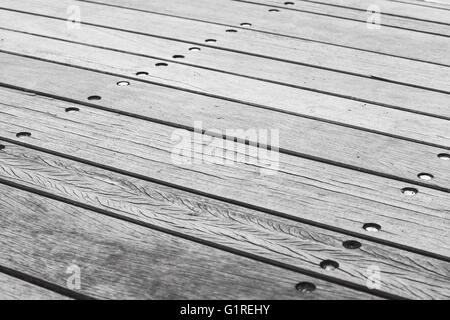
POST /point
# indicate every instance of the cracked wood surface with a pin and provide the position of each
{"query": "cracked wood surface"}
(109, 187)
(122, 260)
(280, 240)
(146, 149)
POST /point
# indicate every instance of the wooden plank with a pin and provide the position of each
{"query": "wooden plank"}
(254, 43)
(142, 48)
(304, 25)
(370, 14)
(122, 260)
(415, 10)
(329, 196)
(256, 233)
(329, 142)
(415, 127)
(15, 289)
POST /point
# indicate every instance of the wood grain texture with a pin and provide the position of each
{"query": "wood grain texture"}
(326, 194)
(141, 47)
(347, 146)
(113, 190)
(438, 4)
(362, 15)
(15, 289)
(403, 8)
(366, 116)
(249, 42)
(403, 274)
(121, 260)
(304, 25)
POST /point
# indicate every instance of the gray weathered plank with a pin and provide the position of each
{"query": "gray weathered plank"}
(326, 194)
(256, 233)
(254, 43)
(15, 289)
(298, 76)
(395, 122)
(304, 25)
(121, 260)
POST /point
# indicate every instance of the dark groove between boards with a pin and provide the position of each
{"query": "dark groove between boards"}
(358, 9)
(241, 253)
(233, 50)
(44, 284)
(384, 105)
(250, 54)
(331, 16)
(231, 201)
(203, 94)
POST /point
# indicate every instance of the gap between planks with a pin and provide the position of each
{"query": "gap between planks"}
(373, 14)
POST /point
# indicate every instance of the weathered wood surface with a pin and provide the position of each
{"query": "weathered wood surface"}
(323, 192)
(109, 187)
(361, 150)
(403, 8)
(285, 99)
(442, 4)
(122, 260)
(303, 25)
(15, 289)
(366, 15)
(255, 233)
(249, 42)
(141, 47)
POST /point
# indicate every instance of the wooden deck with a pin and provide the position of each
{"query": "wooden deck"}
(225, 149)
